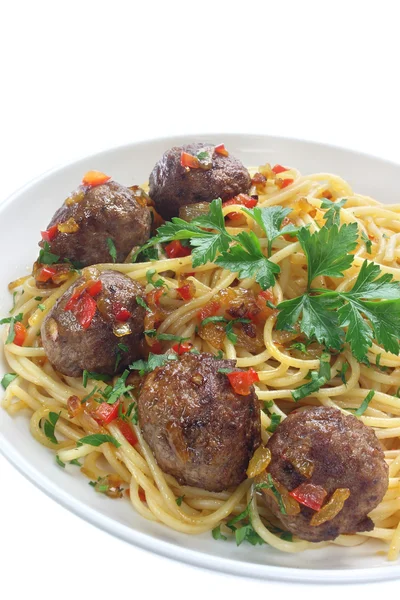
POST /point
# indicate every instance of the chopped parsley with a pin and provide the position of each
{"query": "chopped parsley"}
(142, 303)
(150, 278)
(92, 375)
(270, 485)
(367, 242)
(96, 439)
(41, 307)
(360, 411)
(46, 257)
(60, 462)
(275, 420)
(343, 371)
(179, 500)
(112, 249)
(7, 379)
(217, 535)
(49, 426)
(13, 320)
(317, 379)
(154, 361)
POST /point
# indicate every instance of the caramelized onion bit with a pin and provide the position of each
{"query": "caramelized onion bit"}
(295, 455)
(74, 406)
(259, 461)
(52, 328)
(110, 485)
(188, 212)
(76, 196)
(69, 226)
(331, 508)
(121, 329)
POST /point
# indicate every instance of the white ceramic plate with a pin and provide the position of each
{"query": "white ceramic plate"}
(132, 164)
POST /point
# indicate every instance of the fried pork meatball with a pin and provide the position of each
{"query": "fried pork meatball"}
(200, 430)
(93, 215)
(324, 447)
(72, 348)
(173, 186)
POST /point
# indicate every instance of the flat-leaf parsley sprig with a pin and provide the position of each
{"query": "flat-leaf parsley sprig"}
(370, 310)
(209, 237)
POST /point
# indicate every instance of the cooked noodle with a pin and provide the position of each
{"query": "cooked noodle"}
(39, 388)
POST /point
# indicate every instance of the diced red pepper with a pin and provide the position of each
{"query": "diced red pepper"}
(185, 292)
(95, 288)
(105, 413)
(156, 347)
(310, 495)
(45, 274)
(20, 333)
(189, 161)
(282, 183)
(84, 307)
(182, 348)
(266, 296)
(209, 310)
(50, 233)
(142, 494)
(279, 169)
(243, 200)
(120, 312)
(153, 297)
(241, 381)
(175, 249)
(127, 432)
(220, 149)
(94, 178)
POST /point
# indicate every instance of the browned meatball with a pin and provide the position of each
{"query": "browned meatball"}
(198, 428)
(173, 186)
(72, 348)
(105, 211)
(338, 451)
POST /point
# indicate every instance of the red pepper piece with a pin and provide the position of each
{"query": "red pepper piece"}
(182, 348)
(142, 494)
(93, 178)
(20, 333)
(105, 413)
(309, 495)
(153, 297)
(279, 169)
(241, 381)
(189, 161)
(175, 249)
(282, 183)
(243, 200)
(45, 274)
(185, 292)
(95, 288)
(83, 307)
(120, 312)
(50, 233)
(127, 432)
(156, 347)
(220, 149)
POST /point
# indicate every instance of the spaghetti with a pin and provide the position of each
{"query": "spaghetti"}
(158, 496)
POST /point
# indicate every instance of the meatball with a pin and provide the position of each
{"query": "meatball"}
(198, 428)
(71, 348)
(107, 211)
(173, 186)
(338, 451)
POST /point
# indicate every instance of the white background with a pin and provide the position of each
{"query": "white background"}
(78, 77)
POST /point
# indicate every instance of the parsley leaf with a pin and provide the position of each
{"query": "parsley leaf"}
(217, 535)
(92, 375)
(369, 285)
(142, 303)
(179, 500)
(318, 379)
(7, 379)
(328, 250)
(270, 485)
(367, 242)
(150, 278)
(49, 426)
(275, 420)
(60, 462)
(96, 439)
(119, 389)
(360, 411)
(332, 215)
(154, 361)
(112, 249)
(270, 220)
(46, 257)
(343, 371)
(248, 260)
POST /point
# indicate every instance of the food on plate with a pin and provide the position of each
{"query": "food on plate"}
(333, 468)
(96, 325)
(198, 427)
(100, 222)
(192, 173)
(238, 372)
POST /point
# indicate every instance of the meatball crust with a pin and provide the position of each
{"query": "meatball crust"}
(344, 453)
(105, 211)
(72, 349)
(173, 186)
(198, 428)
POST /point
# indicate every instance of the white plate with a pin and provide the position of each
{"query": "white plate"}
(28, 211)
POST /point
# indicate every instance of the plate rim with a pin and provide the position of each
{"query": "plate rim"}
(146, 541)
